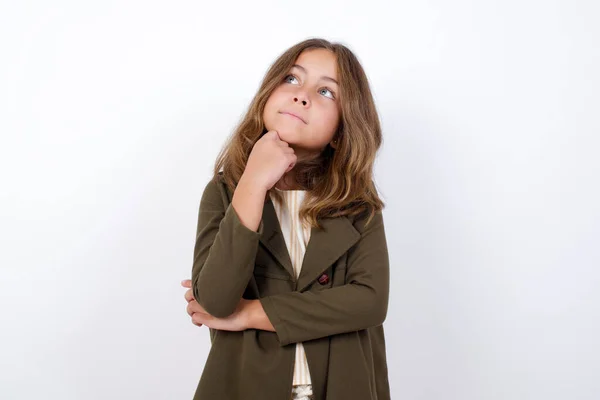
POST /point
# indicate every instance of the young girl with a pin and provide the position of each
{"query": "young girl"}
(290, 270)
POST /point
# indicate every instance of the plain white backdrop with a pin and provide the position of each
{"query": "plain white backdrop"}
(111, 116)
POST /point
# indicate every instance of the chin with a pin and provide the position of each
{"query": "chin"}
(288, 135)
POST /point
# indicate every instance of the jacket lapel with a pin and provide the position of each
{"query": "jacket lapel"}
(324, 246)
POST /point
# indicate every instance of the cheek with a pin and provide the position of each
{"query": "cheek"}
(268, 111)
(276, 97)
(329, 118)
(272, 105)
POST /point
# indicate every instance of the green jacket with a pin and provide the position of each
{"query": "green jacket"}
(338, 318)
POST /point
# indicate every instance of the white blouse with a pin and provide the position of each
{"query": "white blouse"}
(296, 239)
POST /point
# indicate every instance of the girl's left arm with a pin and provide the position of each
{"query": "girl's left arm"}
(359, 304)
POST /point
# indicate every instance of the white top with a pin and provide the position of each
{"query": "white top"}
(296, 239)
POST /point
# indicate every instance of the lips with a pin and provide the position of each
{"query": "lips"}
(293, 115)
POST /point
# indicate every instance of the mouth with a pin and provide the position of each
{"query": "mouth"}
(293, 115)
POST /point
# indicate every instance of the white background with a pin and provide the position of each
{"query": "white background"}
(112, 113)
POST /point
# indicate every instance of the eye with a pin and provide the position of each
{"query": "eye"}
(285, 79)
(329, 90)
(332, 97)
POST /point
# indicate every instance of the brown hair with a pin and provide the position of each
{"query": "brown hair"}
(339, 181)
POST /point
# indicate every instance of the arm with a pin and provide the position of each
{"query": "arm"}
(357, 305)
(225, 248)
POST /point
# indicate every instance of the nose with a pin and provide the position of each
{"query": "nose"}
(301, 98)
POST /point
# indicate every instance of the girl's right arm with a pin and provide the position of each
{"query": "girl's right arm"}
(248, 201)
(224, 252)
(227, 237)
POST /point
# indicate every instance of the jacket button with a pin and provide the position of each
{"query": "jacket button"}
(323, 279)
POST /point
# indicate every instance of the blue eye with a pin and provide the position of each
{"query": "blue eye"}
(329, 90)
(289, 76)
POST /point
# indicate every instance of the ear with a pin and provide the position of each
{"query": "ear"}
(333, 143)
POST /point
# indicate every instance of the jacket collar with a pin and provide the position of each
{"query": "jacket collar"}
(324, 247)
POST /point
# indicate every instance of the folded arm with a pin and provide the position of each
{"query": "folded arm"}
(359, 304)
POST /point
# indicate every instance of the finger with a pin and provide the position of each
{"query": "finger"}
(275, 136)
(291, 165)
(194, 307)
(189, 295)
(198, 318)
(195, 322)
(186, 283)
(274, 133)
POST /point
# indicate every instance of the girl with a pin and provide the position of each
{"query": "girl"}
(290, 270)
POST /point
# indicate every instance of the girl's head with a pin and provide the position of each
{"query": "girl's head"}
(310, 90)
(335, 139)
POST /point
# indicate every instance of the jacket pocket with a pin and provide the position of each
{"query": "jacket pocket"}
(271, 280)
(269, 271)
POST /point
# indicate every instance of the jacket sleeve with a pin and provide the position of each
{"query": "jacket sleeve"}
(359, 304)
(224, 254)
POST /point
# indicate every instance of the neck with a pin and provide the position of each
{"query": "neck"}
(287, 181)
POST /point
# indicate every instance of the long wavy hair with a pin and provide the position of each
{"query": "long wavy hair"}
(338, 181)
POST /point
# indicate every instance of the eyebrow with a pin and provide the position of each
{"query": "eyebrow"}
(327, 78)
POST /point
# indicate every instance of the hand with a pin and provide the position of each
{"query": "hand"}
(237, 321)
(269, 160)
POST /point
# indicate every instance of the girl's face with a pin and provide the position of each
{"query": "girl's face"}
(310, 91)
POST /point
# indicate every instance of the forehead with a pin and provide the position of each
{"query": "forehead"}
(318, 62)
